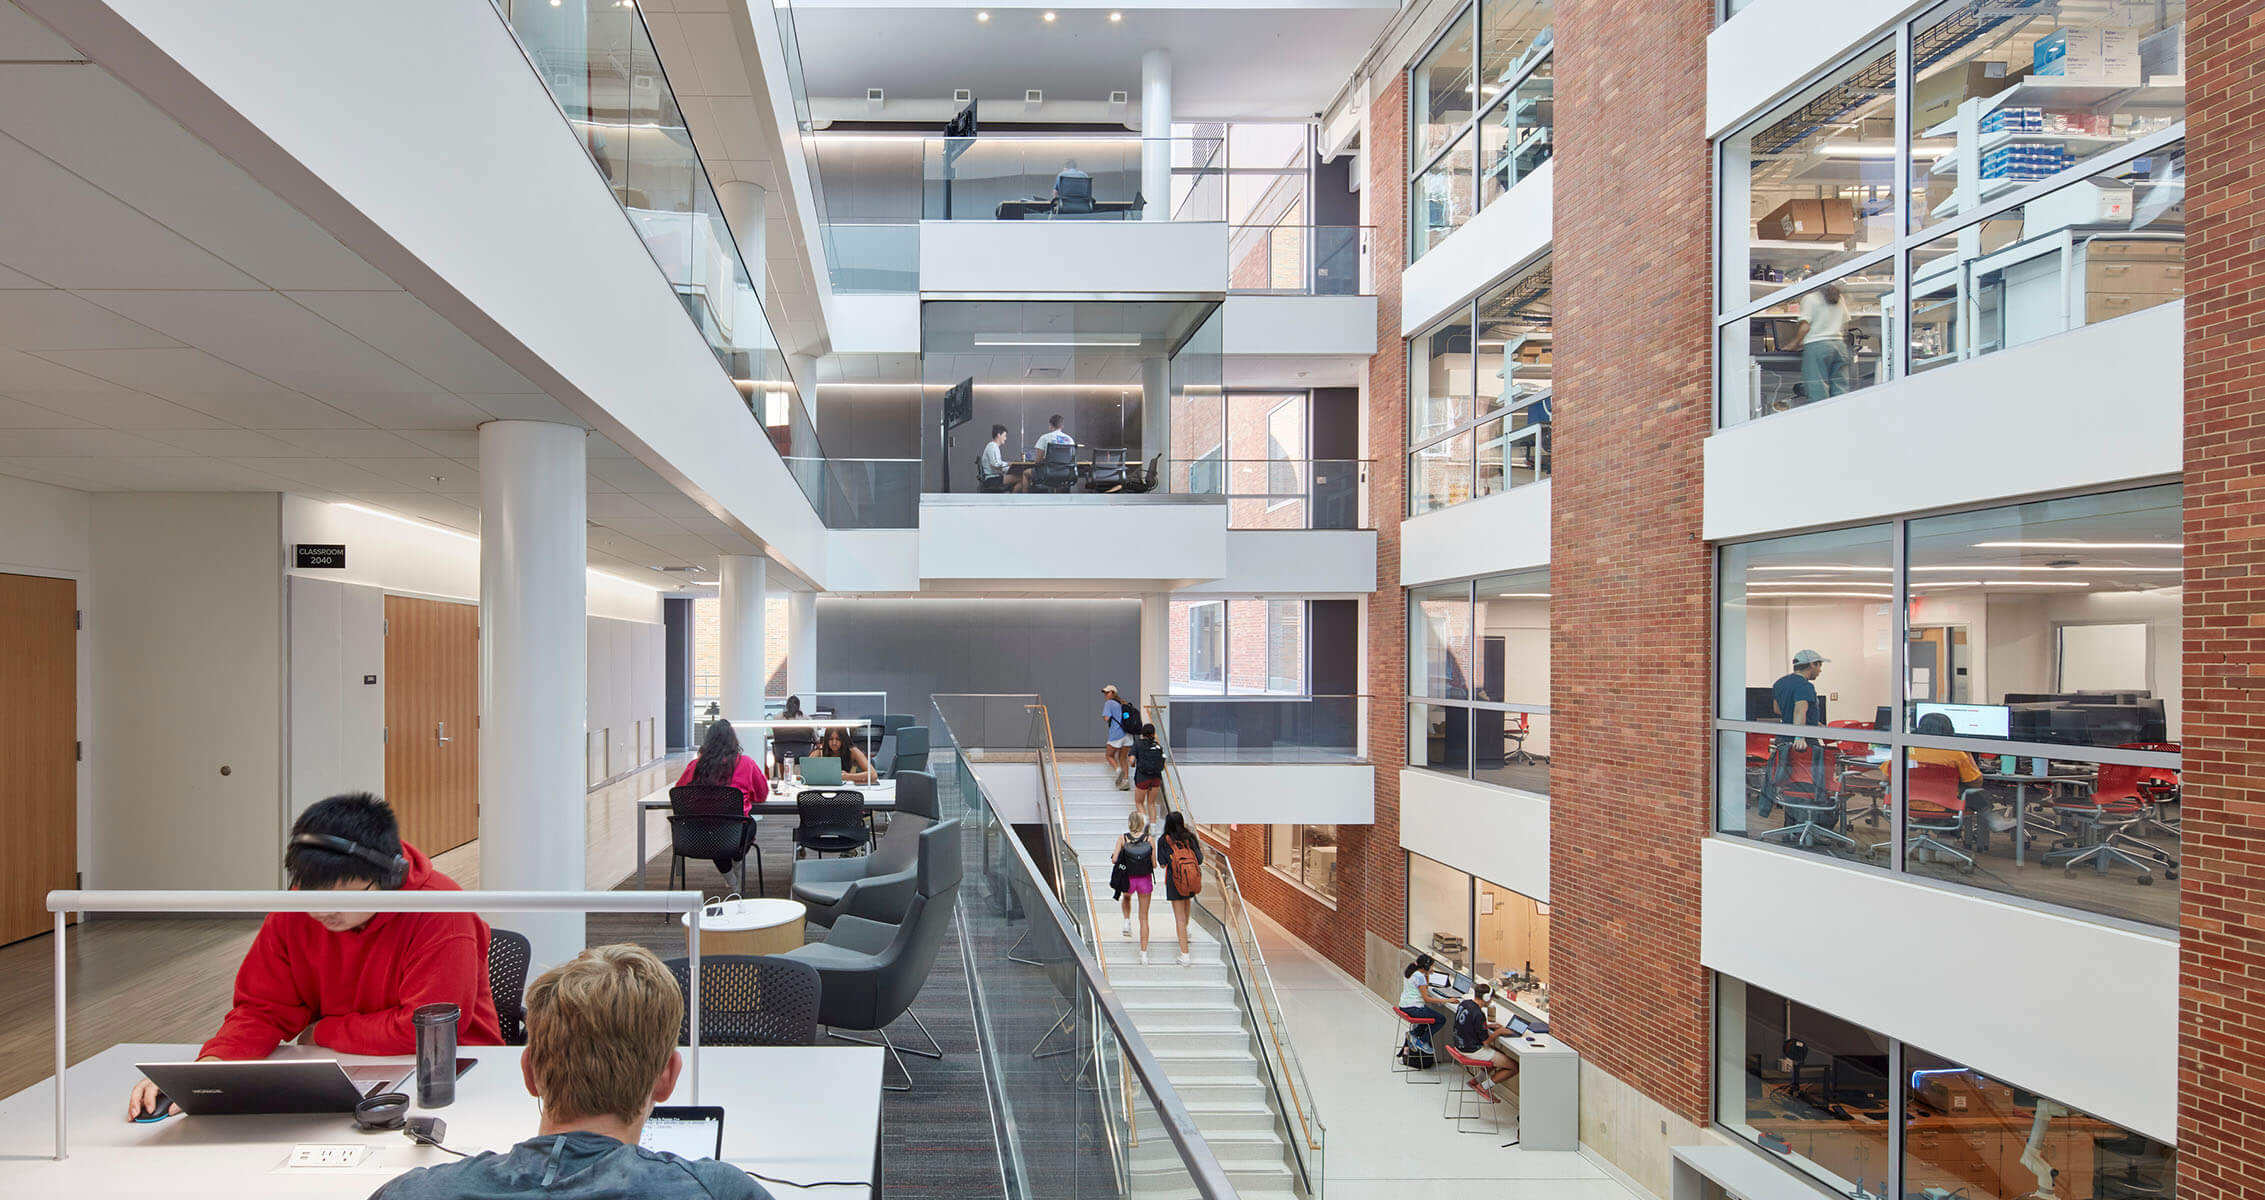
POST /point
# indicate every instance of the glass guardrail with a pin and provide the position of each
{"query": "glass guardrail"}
(1298, 260)
(1222, 911)
(1261, 729)
(1277, 493)
(1070, 178)
(878, 259)
(598, 61)
(1082, 1108)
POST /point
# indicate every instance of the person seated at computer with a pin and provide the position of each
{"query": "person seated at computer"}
(601, 1052)
(720, 763)
(835, 742)
(1935, 724)
(1477, 1034)
(350, 980)
(1053, 435)
(1073, 185)
(991, 465)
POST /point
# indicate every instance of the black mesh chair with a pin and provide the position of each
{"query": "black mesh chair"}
(508, 955)
(830, 822)
(710, 820)
(791, 743)
(750, 1000)
(1108, 471)
(912, 751)
(1057, 472)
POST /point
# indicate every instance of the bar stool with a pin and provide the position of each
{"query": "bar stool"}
(1474, 1069)
(1401, 1028)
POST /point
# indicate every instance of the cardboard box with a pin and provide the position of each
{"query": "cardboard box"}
(2109, 57)
(1807, 221)
(1936, 98)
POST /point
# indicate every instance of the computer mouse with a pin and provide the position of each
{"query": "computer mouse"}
(159, 1109)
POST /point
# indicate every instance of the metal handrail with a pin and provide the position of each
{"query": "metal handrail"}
(65, 902)
(1237, 921)
(1195, 1153)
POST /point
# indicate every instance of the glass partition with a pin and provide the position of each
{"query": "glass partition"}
(1439, 913)
(1969, 1134)
(1267, 728)
(1808, 1087)
(1249, 647)
(1824, 341)
(1481, 115)
(1298, 260)
(1306, 855)
(1463, 372)
(873, 259)
(1482, 646)
(1512, 947)
(1011, 177)
(1821, 596)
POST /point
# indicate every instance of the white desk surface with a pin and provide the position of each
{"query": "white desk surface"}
(882, 793)
(805, 723)
(795, 1112)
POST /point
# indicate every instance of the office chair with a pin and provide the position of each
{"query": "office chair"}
(2159, 792)
(1938, 805)
(710, 820)
(1108, 471)
(988, 484)
(749, 1000)
(1057, 472)
(1138, 480)
(1073, 194)
(2104, 819)
(911, 751)
(1858, 778)
(876, 886)
(508, 956)
(1808, 789)
(830, 822)
(1516, 736)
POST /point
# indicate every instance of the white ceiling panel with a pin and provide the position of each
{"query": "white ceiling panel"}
(352, 443)
(17, 279)
(528, 407)
(84, 238)
(613, 506)
(81, 443)
(25, 40)
(629, 475)
(430, 409)
(419, 472)
(424, 505)
(402, 326)
(52, 320)
(35, 380)
(644, 527)
(102, 131)
(225, 443)
(675, 505)
(15, 414)
(184, 474)
(324, 472)
(194, 378)
(43, 470)
(448, 443)
(266, 331)
(715, 53)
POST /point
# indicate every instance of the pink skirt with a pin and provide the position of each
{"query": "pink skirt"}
(1140, 885)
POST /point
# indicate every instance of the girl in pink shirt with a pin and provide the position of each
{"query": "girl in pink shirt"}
(720, 762)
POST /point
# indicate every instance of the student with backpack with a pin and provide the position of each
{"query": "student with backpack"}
(1119, 720)
(1134, 861)
(1148, 772)
(1183, 871)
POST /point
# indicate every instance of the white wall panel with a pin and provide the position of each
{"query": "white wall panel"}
(1508, 531)
(874, 324)
(1493, 833)
(1503, 235)
(1309, 562)
(1771, 45)
(1282, 793)
(1072, 544)
(1073, 257)
(1299, 325)
(1978, 981)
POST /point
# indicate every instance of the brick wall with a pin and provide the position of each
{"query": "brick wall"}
(1371, 868)
(707, 646)
(1630, 636)
(2221, 947)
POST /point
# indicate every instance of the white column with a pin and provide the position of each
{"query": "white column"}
(1155, 133)
(1155, 646)
(534, 616)
(746, 209)
(1156, 412)
(802, 646)
(741, 632)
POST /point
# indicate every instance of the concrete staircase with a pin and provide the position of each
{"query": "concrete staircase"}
(1189, 1016)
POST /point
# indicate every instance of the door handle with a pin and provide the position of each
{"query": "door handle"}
(440, 730)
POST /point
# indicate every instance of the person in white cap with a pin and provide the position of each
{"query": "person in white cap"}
(1118, 754)
(1796, 693)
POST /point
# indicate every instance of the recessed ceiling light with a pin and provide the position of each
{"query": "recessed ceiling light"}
(983, 16)
(1049, 17)
(1116, 16)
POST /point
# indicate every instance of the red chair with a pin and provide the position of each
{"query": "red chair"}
(2104, 818)
(2160, 790)
(1807, 784)
(1476, 1067)
(1401, 1029)
(1938, 805)
(1861, 777)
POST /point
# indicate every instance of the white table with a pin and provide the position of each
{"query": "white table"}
(1549, 1092)
(879, 797)
(794, 1112)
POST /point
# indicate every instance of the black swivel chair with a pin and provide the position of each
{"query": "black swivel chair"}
(1057, 472)
(750, 1000)
(876, 886)
(912, 751)
(710, 820)
(1073, 194)
(1108, 471)
(508, 956)
(873, 971)
(1137, 480)
(792, 743)
(830, 821)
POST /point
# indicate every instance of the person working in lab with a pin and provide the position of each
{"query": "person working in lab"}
(1795, 697)
(991, 465)
(1824, 348)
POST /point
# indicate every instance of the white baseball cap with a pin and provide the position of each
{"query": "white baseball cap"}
(1802, 658)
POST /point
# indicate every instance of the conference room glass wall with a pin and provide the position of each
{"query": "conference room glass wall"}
(1865, 1114)
(1985, 175)
(1478, 678)
(1480, 115)
(2022, 663)
(1479, 386)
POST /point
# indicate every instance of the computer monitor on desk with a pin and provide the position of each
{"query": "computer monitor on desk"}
(1969, 720)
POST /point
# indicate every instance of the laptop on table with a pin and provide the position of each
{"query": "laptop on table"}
(283, 1085)
(821, 772)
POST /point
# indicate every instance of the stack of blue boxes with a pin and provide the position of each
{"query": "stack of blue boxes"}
(2017, 161)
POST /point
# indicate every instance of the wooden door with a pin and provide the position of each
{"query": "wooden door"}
(39, 707)
(432, 726)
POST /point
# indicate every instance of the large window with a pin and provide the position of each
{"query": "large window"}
(1480, 930)
(1479, 387)
(1854, 1108)
(1239, 647)
(2021, 664)
(1480, 115)
(1478, 665)
(1307, 855)
(2018, 173)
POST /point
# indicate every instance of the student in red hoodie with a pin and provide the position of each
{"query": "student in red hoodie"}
(350, 980)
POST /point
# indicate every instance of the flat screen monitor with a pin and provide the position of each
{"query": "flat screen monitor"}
(2030, 698)
(962, 124)
(1882, 718)
(1969, 720)
(959, 403)
(1760, 705)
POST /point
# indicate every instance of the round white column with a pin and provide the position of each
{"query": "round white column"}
(742, 635)
(802, 646)
(1156, 413)
(1156, 133)
(746, 209)
(534, 630)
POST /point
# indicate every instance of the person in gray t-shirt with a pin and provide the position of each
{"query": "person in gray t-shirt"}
(601, 1052)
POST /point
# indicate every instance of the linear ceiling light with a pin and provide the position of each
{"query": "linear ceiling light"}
(2062, 570)
(1056, 339)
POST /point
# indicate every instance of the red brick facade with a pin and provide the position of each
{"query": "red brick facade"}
(1632, 612)
(2222, 888)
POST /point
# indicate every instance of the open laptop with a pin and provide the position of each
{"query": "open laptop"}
(686, 1131)
(282, 1085)
(821, 772)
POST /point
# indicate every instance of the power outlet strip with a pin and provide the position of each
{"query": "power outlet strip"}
(321, 1156)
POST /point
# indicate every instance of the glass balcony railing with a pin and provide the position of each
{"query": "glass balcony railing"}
(1261, 729)
(1298, 260)
(1277, 493)
(1033, 178)
(597, 59)
(873, 259)
(862, 493)
(1084, 1108)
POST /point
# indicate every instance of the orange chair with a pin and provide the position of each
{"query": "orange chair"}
(1861, 777)
(1938, 805)
(2160, 791)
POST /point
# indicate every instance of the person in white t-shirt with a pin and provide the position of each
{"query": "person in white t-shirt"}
(1824, 349)
(1054, 433)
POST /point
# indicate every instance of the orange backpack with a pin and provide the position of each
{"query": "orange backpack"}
(1187, 872)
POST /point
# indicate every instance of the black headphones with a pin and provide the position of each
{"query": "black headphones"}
(386, 1110)
(395, 866)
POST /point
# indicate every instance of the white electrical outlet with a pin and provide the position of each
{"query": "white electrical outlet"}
(315, 1155)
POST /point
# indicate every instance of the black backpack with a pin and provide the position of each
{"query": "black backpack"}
(1148, 758)
(1128, 718)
